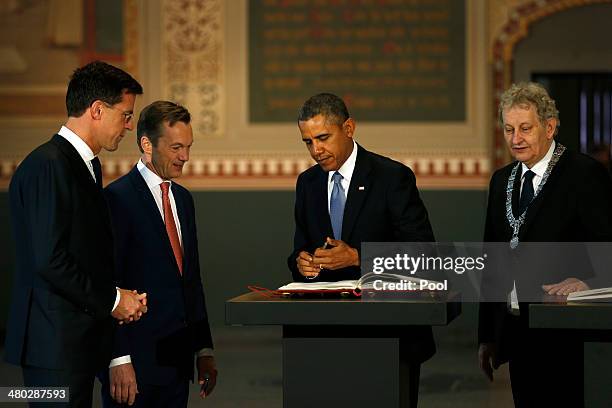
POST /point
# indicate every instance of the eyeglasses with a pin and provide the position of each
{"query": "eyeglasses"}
(127, 116)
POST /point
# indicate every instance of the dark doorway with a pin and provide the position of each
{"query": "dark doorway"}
(584, 101)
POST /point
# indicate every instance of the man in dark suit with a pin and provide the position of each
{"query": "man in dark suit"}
(156, 251)
(351, 196)
(60, 326)
(565, 197)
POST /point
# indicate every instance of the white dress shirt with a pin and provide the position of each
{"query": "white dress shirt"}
(81, 147)
(346, 170)
(87, 155)
(539, 168)
(153, 182)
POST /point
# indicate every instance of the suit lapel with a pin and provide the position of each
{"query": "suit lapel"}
(542, 195)
(358, 191)
(81, 170)
(150, 206)
(149, 202)
(318, 189)
(84, 178)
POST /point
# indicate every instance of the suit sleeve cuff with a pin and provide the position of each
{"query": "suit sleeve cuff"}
(206, 352)
(119, 361)
(117, 298)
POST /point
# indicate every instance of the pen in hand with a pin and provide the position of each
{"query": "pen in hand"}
(326, 245)
(310, 277)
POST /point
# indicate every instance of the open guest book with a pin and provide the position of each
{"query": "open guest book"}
(592, 295)
(386, 282)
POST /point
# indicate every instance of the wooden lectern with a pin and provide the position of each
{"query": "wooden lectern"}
(344, 352)
(592, 322)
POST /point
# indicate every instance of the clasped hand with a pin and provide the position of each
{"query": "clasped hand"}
(131, 307)
(339, 255)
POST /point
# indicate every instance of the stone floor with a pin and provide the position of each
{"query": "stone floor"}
(250, 374)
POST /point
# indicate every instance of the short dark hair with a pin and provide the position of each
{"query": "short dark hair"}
(153, 116)
(332, 107)
(98, 81)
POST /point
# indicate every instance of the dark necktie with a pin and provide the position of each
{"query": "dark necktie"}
(527, 193)
(171, 226)
(97, 168)
(336, 205)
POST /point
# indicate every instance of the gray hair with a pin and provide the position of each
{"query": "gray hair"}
(526, 94)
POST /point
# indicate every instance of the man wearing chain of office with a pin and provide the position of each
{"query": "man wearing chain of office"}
(549, 194)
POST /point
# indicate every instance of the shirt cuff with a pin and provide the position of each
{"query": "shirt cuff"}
(119, 361)
(206, 352)
(117, 298)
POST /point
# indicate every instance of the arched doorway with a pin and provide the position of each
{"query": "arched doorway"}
(504, 48)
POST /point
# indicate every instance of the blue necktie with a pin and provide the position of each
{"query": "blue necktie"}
(336, 205)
